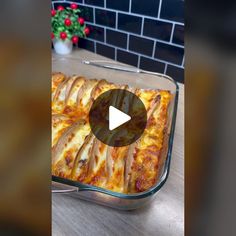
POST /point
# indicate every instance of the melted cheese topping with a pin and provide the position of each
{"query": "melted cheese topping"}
(78, 155)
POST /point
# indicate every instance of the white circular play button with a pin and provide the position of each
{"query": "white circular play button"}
(117, 118)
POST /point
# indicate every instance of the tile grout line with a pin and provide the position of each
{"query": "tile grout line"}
(115, 54)
(94, 15)
(183, 61)
(105, 35)
(138, 66)
(116, 20)
(127, 46)
(159, 10)
(154, 49)
(142, 26)
(165, 69)
(95, 47)
(172, 32)
(130, 4)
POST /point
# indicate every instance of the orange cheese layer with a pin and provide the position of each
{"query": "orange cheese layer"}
(78, 155)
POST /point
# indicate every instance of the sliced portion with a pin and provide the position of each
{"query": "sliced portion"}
(78, 155)
(147, 153)
(66, 149)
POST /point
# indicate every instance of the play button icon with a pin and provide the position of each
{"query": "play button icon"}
(117, 117)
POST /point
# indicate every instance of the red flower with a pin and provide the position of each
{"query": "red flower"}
(53, 12)
(67, 22)
(63, 35)
(52, 35)
(60, 8)
(86, 31)
(73, 6)
(75, 39)
(81, 20)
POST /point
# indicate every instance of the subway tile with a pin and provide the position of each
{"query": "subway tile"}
(96, 33)
(127, 57)
(141, 45)
(64, 4)
(74, 1)
(87, 13)
(173, 10)
(129, 23)
(105, 50)
(151, 65)
(86, 44)
(145, 7)
(176, 73)
(116, 38)
(178, 36)
(122, 5)
(99, 3)
(104, 17)
(157, 29)
(169, 53)
(79, 1)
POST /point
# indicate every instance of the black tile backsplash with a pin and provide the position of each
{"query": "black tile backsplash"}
(173, 10)
(178, 36)
(87, 44)
(86, 13)
(145, 7)
(106, 18)
(176, 73)
(157, 29)
(99, 3)
(169, 53)
(105, 50)
(127, 57)
(122, 5)
(148, 34)
(129, 23)
(141, 45)
(96, 32)
(116, 38)
(151, 65)
(64, 4)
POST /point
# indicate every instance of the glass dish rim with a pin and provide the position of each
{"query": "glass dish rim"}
(165, 174)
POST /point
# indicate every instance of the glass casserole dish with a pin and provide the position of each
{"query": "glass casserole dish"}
(118, 74)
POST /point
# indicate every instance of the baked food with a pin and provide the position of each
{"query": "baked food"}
(78, 155)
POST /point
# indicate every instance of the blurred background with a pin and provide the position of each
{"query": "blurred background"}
(210, 114)
(25, 68)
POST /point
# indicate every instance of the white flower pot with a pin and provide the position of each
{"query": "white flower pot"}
(63, 47)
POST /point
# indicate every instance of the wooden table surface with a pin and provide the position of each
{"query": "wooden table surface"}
(164, 216)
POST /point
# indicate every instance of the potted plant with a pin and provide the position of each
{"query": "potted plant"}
(67, 28)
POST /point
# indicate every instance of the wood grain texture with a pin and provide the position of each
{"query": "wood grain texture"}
(164, 216)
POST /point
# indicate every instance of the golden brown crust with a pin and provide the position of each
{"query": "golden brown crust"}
(78, 155)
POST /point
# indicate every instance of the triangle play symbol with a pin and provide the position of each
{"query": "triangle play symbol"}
(117, 118)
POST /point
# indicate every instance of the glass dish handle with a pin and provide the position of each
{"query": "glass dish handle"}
(62, 188)
(117, 66)
(111, 65)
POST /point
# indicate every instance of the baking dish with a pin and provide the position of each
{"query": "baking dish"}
(119, 74)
